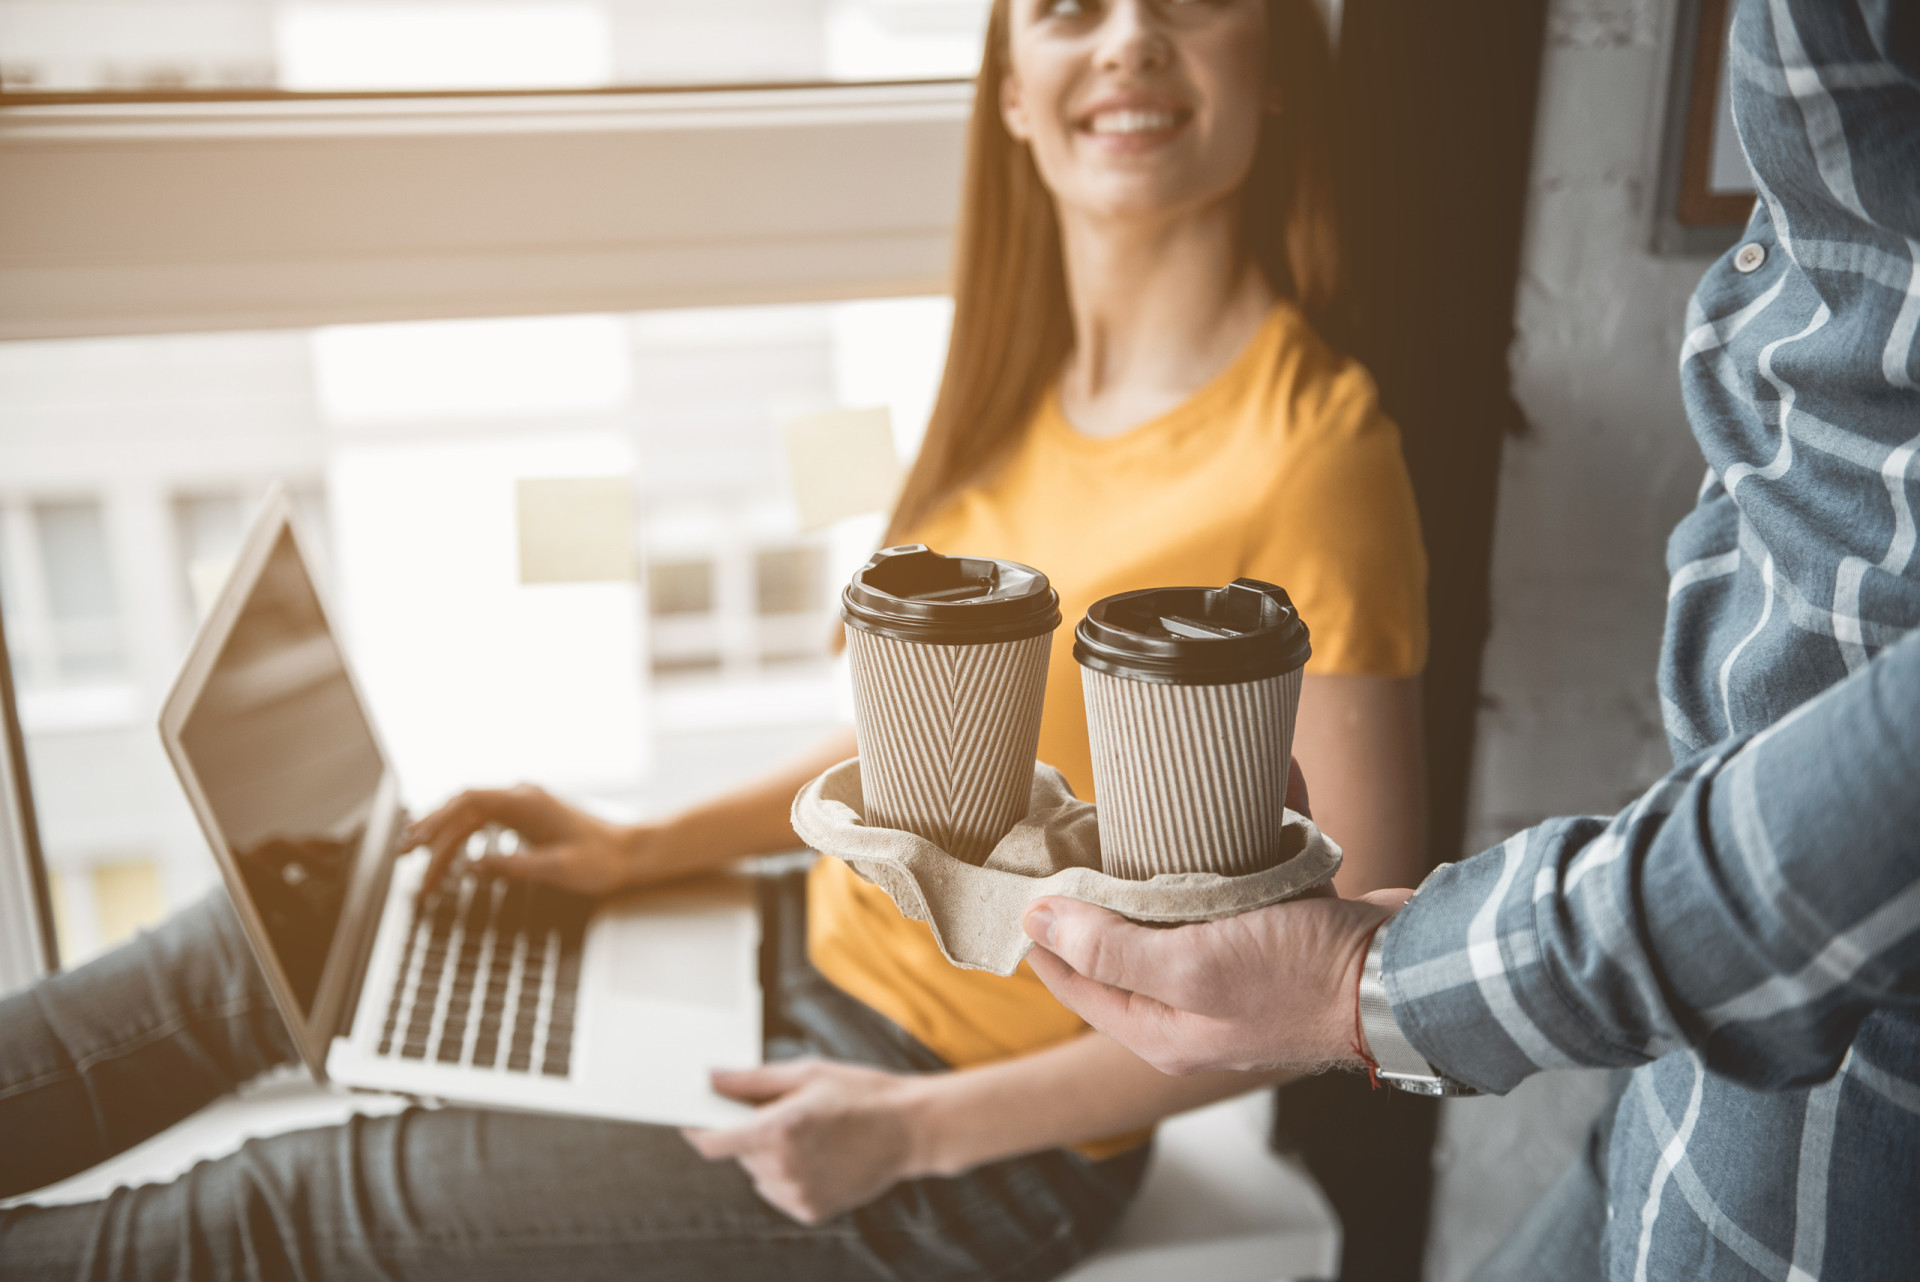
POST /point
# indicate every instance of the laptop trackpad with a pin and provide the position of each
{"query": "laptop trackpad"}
(689, 958)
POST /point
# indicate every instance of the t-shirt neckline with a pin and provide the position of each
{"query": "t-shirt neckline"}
(1199, 406)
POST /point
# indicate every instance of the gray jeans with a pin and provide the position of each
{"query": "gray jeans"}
(93, 1061)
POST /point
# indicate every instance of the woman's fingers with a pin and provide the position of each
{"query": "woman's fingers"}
(523, 807)
(758, 1086)
(528, 810)
(446, 831)
(770, 1176)
(764, 1084)
(555, 867)
(734, 1141)
(452, 812)
(714, 1145)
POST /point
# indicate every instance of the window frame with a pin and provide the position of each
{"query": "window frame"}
(208, 212)
(28, 948)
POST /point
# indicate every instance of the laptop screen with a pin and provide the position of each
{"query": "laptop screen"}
(287, 763)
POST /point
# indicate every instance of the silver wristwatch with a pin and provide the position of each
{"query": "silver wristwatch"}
(1399, 1064)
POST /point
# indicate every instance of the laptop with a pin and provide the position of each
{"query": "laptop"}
(490, 991)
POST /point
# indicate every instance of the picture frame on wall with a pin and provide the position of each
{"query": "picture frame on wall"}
(1705, 192)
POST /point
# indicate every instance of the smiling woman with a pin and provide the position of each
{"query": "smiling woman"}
(1135, 396)
(1012, 329)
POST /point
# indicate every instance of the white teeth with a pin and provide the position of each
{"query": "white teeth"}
(1132, 122)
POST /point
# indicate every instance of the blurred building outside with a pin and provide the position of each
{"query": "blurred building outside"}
(360, 45)
(129, 468)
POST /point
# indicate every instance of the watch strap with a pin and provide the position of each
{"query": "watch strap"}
(1399, 1064)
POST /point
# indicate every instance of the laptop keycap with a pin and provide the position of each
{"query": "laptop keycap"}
(489, 978)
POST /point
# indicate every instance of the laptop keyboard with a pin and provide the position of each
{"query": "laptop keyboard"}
(490, 978)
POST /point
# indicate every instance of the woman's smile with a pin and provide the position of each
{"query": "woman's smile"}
(1139, 108)
(1127, 124)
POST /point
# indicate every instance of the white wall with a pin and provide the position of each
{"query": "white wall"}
(1587, 499)
(1571, 724)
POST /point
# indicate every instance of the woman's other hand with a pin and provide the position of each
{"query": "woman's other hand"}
(560, 844)
(827, 1138)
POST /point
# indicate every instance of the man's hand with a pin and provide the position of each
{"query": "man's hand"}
(828, 1137)
(1274, 988)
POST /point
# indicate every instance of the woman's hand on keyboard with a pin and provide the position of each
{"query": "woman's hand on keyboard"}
(557, 843)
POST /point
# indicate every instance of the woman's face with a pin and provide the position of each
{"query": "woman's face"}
(1138, 108)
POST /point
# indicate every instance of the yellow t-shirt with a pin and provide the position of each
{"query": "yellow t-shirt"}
(1282, 468)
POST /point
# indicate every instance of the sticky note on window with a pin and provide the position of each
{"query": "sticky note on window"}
(842, 464)
(575, 529)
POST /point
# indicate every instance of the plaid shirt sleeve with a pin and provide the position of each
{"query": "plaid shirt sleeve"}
(1754, 906)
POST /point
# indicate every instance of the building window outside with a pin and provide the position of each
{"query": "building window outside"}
(83, 607)
(210, 529)
(67, 635)
(63, 608)
(680, 587)
(789, 580)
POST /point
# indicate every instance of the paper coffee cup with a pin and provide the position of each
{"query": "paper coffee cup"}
(949, 659)
(1191, 698)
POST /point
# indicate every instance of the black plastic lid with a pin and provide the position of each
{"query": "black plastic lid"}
(1194, 636)
(911, 593)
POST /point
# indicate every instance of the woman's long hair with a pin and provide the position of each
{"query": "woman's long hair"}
(1012, 329)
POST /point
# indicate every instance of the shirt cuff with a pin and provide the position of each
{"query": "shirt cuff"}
(1460, 967)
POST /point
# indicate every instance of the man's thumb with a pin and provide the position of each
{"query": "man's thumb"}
(1102, 945)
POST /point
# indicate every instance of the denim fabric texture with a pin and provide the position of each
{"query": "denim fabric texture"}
(95, 1060)
(1746, 935)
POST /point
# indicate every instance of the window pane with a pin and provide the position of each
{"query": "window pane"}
(73, 550)
(323, 45)
(211, 526)
(637, 695)
(210, 529)
(680, 587)
(76, 575)
(788, 581)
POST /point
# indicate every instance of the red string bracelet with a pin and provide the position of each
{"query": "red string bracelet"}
(1359, 1032)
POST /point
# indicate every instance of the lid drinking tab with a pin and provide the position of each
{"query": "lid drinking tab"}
(1244, 631)
(912, 593)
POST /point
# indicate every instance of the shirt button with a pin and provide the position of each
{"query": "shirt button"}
(1749, 258)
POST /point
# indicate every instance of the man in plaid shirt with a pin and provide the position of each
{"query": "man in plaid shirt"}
(1745, 938)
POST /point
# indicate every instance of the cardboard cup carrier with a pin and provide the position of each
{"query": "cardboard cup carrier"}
(1191, 697)
(949, 658)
